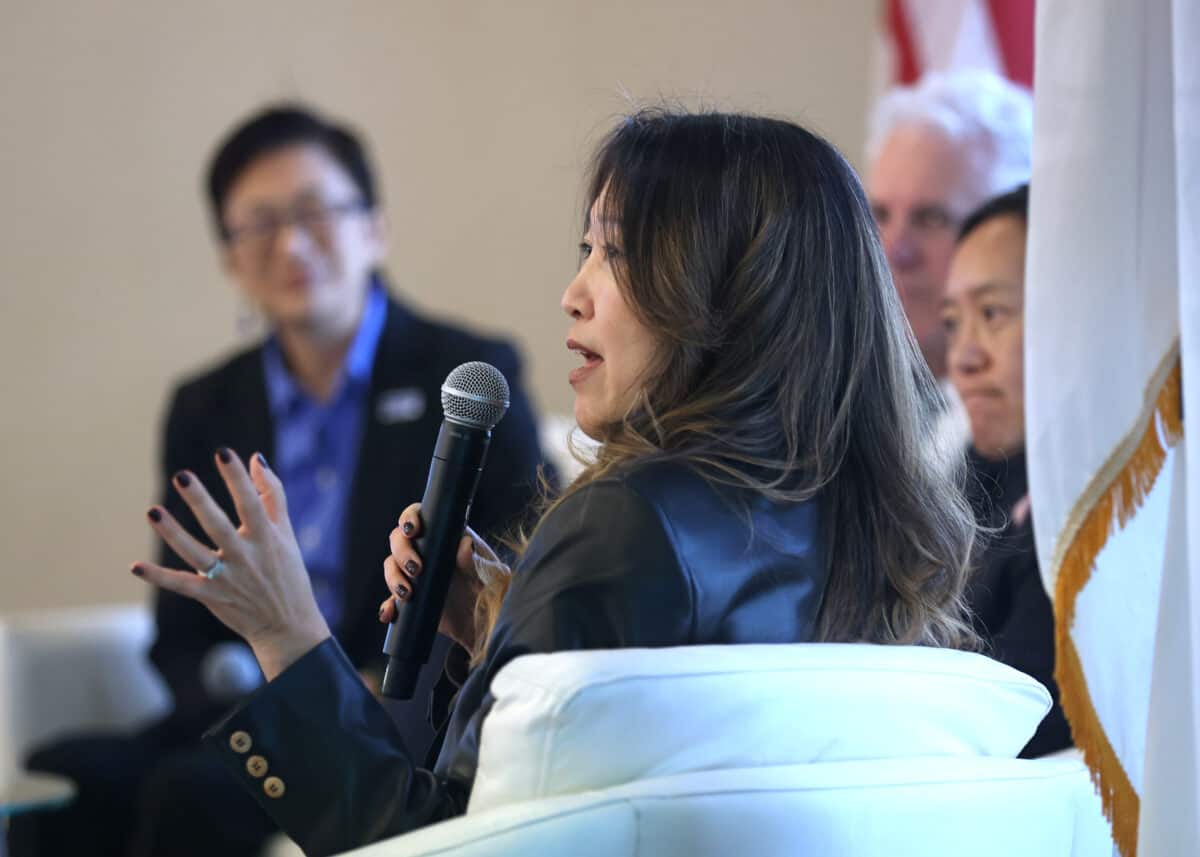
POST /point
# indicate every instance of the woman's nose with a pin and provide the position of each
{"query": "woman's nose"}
(575, 301)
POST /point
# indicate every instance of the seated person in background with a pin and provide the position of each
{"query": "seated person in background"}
(343, 394)
(935, 152)
(761, 476)
(983, 313)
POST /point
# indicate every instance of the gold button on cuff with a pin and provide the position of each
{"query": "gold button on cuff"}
(240, 742)
(273, 786)
(256, 766)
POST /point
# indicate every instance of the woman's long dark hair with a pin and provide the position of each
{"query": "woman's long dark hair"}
(787, 366)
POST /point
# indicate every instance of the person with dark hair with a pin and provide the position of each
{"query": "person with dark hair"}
(936, 150)
(343, 394)
(761, 476)
(983, 316)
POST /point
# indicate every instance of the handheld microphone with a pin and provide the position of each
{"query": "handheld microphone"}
(474, 398)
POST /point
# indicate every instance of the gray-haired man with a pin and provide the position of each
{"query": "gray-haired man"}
(935, 152)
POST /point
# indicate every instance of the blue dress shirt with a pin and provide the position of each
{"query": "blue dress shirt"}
(316, 452)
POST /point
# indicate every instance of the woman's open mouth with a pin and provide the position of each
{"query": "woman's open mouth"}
(590, 361)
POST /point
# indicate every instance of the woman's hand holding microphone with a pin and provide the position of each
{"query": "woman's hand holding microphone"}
(475, 564)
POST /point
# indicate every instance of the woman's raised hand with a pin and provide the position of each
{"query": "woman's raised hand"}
(475, 564)
(255, 582)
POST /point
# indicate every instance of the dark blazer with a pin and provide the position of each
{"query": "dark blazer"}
(654, 556)
(227, 406)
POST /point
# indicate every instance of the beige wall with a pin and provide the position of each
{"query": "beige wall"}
(481, 115)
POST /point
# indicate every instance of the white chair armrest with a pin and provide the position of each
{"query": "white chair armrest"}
(68, 670)
(897, 807)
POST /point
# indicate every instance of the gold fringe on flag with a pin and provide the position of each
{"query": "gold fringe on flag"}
(1110, 500)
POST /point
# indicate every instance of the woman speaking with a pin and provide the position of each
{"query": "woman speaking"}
(763, 475)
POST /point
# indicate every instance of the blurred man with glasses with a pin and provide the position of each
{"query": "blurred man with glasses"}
(342, 397)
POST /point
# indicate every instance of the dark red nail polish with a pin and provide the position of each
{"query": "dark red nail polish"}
(262, 461)
(407, 528)
(401, 591)
(225, 455)
(183, 479)
(411, 567)
(137, 571)
(154, 515)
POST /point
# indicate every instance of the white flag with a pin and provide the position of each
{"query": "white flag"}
(1112, 367)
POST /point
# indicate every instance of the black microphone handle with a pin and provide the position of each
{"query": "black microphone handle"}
(453, 475)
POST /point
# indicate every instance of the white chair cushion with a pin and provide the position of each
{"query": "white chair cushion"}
(573, 721)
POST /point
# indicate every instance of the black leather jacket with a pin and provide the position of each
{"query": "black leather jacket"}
(656, 556)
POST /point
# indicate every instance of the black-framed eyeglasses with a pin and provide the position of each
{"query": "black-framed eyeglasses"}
(315, 217)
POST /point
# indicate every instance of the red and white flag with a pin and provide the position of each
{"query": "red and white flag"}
(944, 35)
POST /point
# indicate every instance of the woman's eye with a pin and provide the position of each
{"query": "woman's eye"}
(585, 250)
(612, 251)
(949, 324)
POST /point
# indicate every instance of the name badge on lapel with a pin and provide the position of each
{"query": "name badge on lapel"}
(400, 406)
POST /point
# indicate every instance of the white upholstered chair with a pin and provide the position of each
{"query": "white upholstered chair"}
(810, 749)
(74, 669)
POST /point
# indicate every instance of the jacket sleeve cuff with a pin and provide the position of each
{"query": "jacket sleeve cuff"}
(293, 743)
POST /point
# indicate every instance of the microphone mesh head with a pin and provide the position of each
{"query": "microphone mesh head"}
(475, 394)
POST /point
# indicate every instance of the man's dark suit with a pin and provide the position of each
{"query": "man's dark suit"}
(227, 406)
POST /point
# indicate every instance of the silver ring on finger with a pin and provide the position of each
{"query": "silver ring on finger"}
(215, 570)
